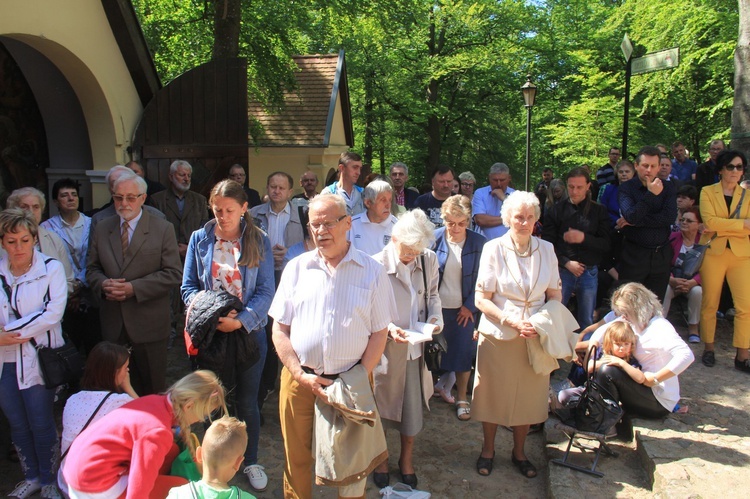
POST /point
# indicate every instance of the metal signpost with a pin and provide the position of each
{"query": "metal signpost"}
(655, 61)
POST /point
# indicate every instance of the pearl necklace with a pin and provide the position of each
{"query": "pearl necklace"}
(521, 254)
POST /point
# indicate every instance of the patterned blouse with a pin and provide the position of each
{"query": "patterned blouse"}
(225, 272)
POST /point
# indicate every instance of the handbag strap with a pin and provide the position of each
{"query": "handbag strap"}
(590, 356)
(735, 214)
(424, 280)
(89, 421)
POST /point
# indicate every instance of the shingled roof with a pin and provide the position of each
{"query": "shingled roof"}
(307, 116)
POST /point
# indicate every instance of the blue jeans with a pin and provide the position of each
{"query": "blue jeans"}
(32, 424)
(248, 383)
(585, 289)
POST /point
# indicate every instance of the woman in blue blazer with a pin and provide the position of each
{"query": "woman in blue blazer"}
(230, 253)
(458, 250)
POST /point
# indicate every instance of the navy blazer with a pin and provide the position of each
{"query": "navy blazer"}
(472, 251)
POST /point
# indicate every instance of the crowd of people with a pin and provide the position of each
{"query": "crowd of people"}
(333, 300)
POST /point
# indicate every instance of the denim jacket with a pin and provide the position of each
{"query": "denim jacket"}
(257, 282)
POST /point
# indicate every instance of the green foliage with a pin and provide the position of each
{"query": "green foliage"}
(438, 81)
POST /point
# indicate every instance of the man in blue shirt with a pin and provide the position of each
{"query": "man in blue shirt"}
(488, 200)
(649, 207)
(683, 167)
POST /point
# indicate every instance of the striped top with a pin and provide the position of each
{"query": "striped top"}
(332, 313)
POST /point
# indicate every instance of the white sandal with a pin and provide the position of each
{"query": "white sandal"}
(463, 410)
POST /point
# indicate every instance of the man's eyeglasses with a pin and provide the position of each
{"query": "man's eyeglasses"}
(328, 225)
(129, 198)
(467, 184)
(688, 221)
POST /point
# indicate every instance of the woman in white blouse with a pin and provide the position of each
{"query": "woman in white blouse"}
(105, 387)
(661, 352)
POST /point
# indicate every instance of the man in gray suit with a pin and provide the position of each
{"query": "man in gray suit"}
(133, 263)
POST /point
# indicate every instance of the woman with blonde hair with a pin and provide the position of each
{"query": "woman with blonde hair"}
(518, 273)
(31, 310)
(131, 450)
(231, 254)
(402, 381)
(661, 352)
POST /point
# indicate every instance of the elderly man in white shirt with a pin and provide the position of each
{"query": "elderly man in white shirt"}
(371, 230)
(331, 312)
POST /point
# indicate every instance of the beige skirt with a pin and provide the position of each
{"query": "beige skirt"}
(507, 391)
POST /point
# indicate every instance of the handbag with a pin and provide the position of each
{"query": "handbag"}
(597, 410)
(437, 346)
(59, 365)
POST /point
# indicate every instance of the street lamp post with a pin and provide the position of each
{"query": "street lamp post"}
(529, 94)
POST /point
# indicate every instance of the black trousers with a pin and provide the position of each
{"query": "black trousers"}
(648, 266)
(636, 399)
(148, 366)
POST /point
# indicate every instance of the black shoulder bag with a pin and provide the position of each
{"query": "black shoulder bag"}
(597, 410)
(59, 365)
(437, 346)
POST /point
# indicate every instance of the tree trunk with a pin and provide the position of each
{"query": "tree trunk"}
(227, 17)
(741, 108)
(369, 119)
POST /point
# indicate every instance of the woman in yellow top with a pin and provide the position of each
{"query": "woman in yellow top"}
(726, 216)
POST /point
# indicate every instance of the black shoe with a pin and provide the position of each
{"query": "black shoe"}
(409, 479)
(381, 480)
(742, 365)
(709, 359)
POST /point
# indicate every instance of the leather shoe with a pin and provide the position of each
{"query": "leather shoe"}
(709, 359)
(381, 480)
(742, 365)
(409, 479)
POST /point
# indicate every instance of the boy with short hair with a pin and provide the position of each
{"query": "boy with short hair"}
(222, 454)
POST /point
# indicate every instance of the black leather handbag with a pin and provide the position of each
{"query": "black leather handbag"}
(597, 410)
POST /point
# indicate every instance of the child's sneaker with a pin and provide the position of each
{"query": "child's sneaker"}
(256, 476)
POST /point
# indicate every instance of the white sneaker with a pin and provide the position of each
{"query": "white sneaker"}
(256, 476)
(50, 492)
(25, 489)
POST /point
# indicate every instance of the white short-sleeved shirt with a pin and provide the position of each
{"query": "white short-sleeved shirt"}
(368, 236)
(509, 277)
(658, 346)
(333, 313)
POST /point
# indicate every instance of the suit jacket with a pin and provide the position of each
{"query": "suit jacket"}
(294, 231)
(410, 197)
(194, 214)
(716, 219)
(151, 264)
(470, 255)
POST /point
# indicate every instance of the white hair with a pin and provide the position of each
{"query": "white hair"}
(516, 201)
(398, 164)
(139, 182)
(376, 188)
(180, 162)
(414, 229)
(15, 197)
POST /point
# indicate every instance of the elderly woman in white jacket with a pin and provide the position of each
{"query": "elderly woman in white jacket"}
(31, 306)
(402, 381)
